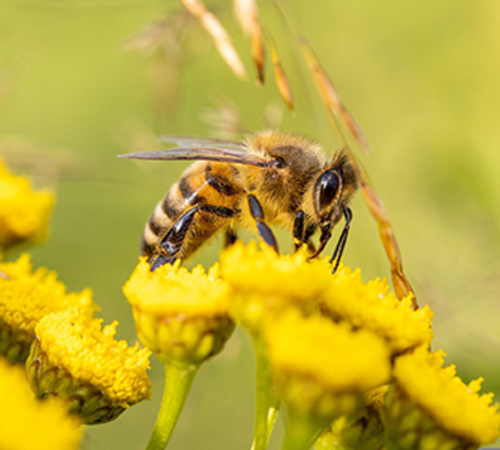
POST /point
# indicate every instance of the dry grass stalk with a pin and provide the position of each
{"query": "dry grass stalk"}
(219, 35)
(402, 286)
(247, 14)
(336, 110)
(224, 119)
(332, 99)
(245, 11)
(281, 78)
(164, 41)
(258, 49)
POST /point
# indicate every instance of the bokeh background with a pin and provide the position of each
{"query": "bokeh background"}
(84, 80)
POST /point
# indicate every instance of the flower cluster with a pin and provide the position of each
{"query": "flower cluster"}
(78, 372)
(349, 360)
(24, 212)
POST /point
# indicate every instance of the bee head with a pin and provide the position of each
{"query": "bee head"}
(327, 192)
(333, 190)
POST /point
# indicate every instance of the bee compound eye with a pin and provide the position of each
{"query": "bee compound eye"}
(327, 188)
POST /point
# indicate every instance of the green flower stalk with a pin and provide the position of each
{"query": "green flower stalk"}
(264, 285)
(183, 317)
(363, 430)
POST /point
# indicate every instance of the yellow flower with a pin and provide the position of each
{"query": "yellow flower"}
(372, 307)
(24, 212)
(25, 298)
(180, 315)
(428, 397)
(324, 368)
(102, 376)
(27, 424)
(264, 282)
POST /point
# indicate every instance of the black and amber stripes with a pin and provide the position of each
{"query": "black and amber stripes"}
(212, 188)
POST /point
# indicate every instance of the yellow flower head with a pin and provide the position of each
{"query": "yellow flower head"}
(371, 306)
(24, 212)
(454, 407)
(90, 360)
(28, 424)
(180, 315)
(264, 282)
(25, 298)
(322, 365)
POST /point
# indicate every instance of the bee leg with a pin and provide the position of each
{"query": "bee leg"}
(326, 235)
(172, 242)
(161, 260)
(258, 214)
(230, 237)
(339, 249)
(298, 230)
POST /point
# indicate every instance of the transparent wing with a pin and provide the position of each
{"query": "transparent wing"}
(200, 153)
(190, 141)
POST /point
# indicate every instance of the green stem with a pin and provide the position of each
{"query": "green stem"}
(267, 404)
(301, 432)
(178, 380)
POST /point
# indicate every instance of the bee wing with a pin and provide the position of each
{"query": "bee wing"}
(200, 153)
(189, 141)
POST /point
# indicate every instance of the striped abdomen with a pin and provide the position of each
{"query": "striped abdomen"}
(211, 187)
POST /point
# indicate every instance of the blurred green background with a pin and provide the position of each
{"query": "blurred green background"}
(422, 79)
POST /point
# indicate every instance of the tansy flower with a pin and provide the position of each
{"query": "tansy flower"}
(264, 283)
(27, 424)
(76, 361)
(25, 298)
(430, 407)
(321, 370)
(183, 317)
(24, 212)
(372, 307)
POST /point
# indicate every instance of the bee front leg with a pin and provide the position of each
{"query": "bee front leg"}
(258, 214)
(298, 230)
(339, 249)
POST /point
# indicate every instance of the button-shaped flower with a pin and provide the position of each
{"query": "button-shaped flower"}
(183, 317)
(24, 212)
(25, 298)
(74, 360)
(430, 407)
(322, 370)
(373, 307)
(27, 424)
(265, 283)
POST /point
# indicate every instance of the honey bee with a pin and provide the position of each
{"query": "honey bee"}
(271, 178)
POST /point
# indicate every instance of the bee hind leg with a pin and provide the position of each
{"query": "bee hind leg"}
(171, 244)
(258, 214)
